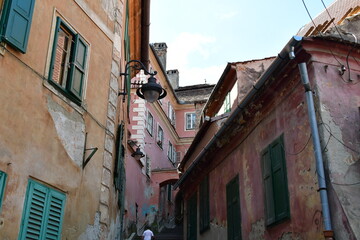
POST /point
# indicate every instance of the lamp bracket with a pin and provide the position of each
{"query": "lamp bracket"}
(94, 149)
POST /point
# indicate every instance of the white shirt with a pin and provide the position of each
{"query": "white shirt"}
(148, 234)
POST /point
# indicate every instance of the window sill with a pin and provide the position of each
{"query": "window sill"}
(80, 107)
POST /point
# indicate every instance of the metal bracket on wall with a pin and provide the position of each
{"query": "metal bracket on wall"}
(85, 161)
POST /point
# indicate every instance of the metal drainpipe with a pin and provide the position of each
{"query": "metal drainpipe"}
(328, 232)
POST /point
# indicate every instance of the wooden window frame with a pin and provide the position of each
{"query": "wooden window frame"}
(76, 63)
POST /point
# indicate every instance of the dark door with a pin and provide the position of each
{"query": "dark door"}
(192, 218)
(233, 209)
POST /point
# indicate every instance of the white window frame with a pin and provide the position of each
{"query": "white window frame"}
(192, 123)
(150, 124)
(160, 138)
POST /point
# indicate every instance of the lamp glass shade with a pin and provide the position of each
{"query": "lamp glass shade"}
(137, 157)
(151, 95)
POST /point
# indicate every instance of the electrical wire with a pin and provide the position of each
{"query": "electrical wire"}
(332, 21)
(328, 129)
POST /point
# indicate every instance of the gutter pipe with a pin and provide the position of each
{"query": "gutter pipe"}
(282, 56)
(328, 232)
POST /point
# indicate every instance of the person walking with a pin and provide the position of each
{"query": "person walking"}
(148, 235)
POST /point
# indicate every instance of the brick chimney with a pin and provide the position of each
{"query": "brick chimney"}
(173, 76)
(161, 50)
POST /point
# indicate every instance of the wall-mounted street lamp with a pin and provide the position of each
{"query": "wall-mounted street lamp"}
(150, 91)
(138, 154)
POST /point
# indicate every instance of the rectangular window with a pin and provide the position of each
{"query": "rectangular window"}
(43, 212)
(68, 61)
(204, 205)
(233, 209)
(15, 23)
(171, 152)
(149, 123)
(275, 182)
(148, 166)
(190, 121)
(160, 137)
(227, 103)
(3, 177)
(171, 114)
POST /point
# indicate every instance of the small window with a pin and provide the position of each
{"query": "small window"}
(149, 123)
(43, 212)
(15, 23)
(160, 137)
(190, 121)
(3, 177)
(68, 61)
(148, 166)
(204, 205)
(275, 183)
(171, 114)
(171, 152)
(227, 103)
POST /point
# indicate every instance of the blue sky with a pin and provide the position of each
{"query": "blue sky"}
(204, 35)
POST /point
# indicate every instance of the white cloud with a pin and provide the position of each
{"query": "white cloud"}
(186, 46)
(196, 75)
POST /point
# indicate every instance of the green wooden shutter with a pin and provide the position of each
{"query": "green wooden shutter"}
(204, 207)
(127, 54)
(77, 67)
(192, 218)
(3, 177)
(268, 187)
(43, 213)
(233, 210)
(34, 211)
(54, 217)
(18, 22)
(280, 189)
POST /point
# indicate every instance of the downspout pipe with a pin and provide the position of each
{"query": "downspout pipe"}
(282, 57)
(328, 232)
(145, 29)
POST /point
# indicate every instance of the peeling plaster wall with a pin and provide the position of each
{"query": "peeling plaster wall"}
(339, 114)
(70, 128)
(43, 131)
(280, 112)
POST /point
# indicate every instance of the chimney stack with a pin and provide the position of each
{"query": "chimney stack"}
(173, 76)
(161, 50)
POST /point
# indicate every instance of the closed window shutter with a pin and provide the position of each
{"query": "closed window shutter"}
(54, 215)
(18, 24)
(77, 67)
(279, 180)
(43, 213)
(269, 198)
(2, 186)
(34, 217)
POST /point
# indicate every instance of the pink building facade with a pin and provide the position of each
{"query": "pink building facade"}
(163, 131)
